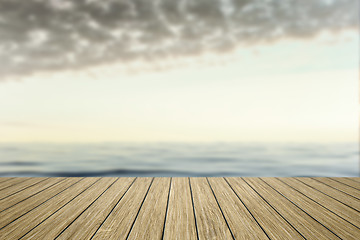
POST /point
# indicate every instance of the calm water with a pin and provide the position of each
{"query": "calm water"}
(178, 159)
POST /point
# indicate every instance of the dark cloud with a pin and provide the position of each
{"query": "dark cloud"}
(38, 35)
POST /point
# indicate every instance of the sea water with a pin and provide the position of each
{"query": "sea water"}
(179, 159)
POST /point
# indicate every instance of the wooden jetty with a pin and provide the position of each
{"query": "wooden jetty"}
(179, 208)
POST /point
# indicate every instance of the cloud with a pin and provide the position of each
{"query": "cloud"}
(41, 35)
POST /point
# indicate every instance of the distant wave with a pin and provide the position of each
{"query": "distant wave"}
(19, 163)
(179, 160)
(135, 173)
(121, 173)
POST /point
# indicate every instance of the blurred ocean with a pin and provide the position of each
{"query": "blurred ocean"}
(179, 159)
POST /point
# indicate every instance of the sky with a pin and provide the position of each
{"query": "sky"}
(144, 71)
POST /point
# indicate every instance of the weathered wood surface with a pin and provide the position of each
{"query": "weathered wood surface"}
(179, 208)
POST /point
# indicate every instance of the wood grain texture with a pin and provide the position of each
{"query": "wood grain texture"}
(24, 207)
(96, 212)
(336, 207)
(306, 225)
(11, 183)
(57, 222)
(273, 224)
(11, 200)
(20, 187)
(26, 223)
(4, 179)
(348, 182)
(119, 222)
(332, 222)
(333, 193)
(339, 186)
(210, 221)
(180, 220)
(356, 179)
(150, 221)
(179, 208)
(241, 222)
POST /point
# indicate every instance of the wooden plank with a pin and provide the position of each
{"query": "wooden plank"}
(307, 226)
(180, 220)
(27, 193)
(20, 187)
(348, 182)
(26, 223)
(179, 208)
(118, 224)
(336, 207)
(96, 212)
(273, 224)
(339, 196)
(210, 221)
(11, 183)
(57, 222)
(357, 179)
(339, 186)
(4, 179)
(13, 213)
(337, 225)
(150, 221)
(241, 222)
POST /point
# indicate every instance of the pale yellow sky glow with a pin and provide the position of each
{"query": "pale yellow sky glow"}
(289, 91)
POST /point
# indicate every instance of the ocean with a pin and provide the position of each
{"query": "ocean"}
(179, 159)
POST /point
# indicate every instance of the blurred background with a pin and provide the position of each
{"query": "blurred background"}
(179, 88)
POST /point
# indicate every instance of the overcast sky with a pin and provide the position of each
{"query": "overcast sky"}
(166, 70)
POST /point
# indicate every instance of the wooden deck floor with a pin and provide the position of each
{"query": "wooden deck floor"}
(179, 208)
